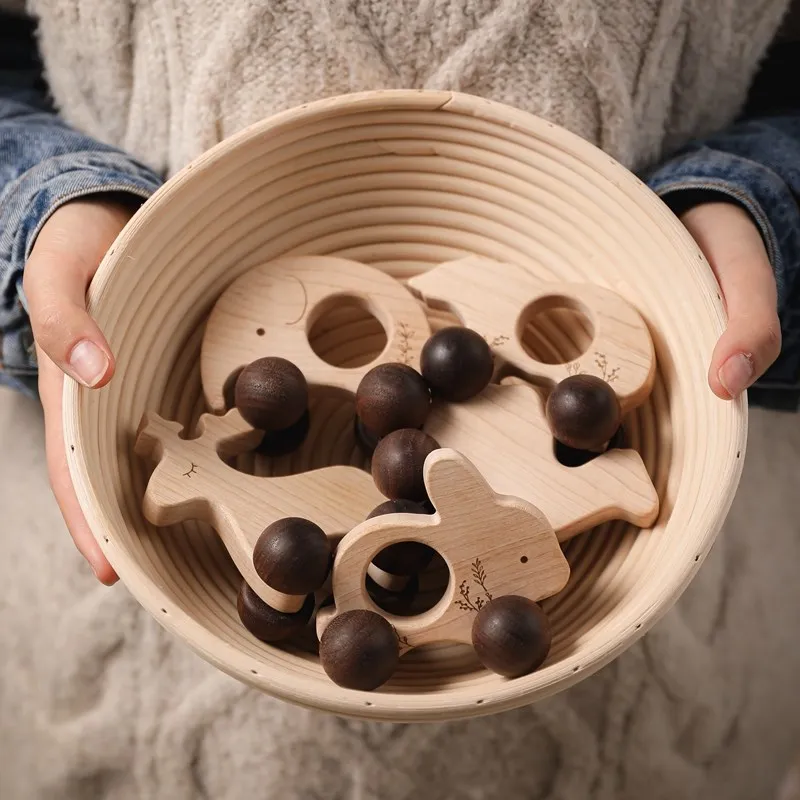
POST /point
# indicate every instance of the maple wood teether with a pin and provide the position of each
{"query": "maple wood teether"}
(493, 546)
(270, 310)
(499, 299)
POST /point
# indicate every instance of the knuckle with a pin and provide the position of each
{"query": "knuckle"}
(770, 340)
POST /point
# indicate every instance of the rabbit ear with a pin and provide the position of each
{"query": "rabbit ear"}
(454, 484)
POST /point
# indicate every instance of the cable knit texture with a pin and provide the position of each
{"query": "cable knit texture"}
(166, 79)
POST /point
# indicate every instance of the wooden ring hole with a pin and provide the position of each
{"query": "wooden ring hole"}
(408, 595)
(555, 329)
(347, 331)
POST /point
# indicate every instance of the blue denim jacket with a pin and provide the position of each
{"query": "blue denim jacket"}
(44, 163)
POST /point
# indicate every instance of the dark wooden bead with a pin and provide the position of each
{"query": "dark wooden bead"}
(293, 556)
(267, 624)
(281, 443)
(359, 650)
(391, 397)
(271, 394)
(511, 636)
(583, 412)
(457, 363)
(570, 457)
(403, 558)
(366, 440)
(397, 464)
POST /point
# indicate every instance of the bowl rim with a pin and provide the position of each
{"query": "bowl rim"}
(416, 706)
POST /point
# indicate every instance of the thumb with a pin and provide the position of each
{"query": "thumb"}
(62, 263)
(55, 287)
(735, 250)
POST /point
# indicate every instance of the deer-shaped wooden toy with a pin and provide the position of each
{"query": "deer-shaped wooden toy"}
(494, 546)
(191, 481)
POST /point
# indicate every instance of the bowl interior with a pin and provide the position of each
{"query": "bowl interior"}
(404, 181)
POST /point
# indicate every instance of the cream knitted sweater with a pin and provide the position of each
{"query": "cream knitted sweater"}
(166, 79)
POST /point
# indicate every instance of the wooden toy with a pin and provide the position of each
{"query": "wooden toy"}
(583, 412)
(271, 394)
(511, 635)
(293, 556)
(359, 650)
(505, 433)
(457, 363)
(269, 311)
(390, 397)
(398, 461)
(191, 481)
(498, 300)
(493, 545)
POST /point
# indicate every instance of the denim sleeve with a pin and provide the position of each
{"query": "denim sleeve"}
(43, 164)
(755, 163)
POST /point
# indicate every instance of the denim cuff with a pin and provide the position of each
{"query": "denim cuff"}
(705, 174)
(25, 205)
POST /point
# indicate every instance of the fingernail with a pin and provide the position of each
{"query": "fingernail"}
(736, 373)
(88, 363)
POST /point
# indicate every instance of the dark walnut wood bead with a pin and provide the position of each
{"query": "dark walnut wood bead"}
(271, 394)
(281, 443)
(267, 624)
(583, 412)
(457, 363)
(293, 556)
(391, 397)
(403, 558)
(397, 464)
(511, 636)
(359, 650)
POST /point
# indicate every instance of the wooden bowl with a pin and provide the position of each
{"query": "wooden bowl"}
(405, 180)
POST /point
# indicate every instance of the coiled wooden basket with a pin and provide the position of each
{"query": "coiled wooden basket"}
(404, 181)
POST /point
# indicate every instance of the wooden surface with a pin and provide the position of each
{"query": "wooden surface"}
(404, 181)
(192, 482)
(493, 545)
(504, 433)
(500, 299)
(271, 309)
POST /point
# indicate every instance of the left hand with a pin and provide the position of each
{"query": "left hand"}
(735, 250)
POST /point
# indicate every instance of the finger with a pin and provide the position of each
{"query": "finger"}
(51, 382)
(752, 339)
(55, 285)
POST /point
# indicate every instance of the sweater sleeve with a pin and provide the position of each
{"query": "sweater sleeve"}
(43, 164)
(756, 164)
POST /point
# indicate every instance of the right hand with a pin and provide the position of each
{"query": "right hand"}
(64, 259)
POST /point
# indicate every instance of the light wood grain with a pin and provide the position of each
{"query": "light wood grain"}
(493, 545)
(505, 434)
(271, 309)
(192, 482)
(404, 181)
(500, 299)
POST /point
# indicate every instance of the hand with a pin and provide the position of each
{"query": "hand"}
(65, 257)
(733, 246)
